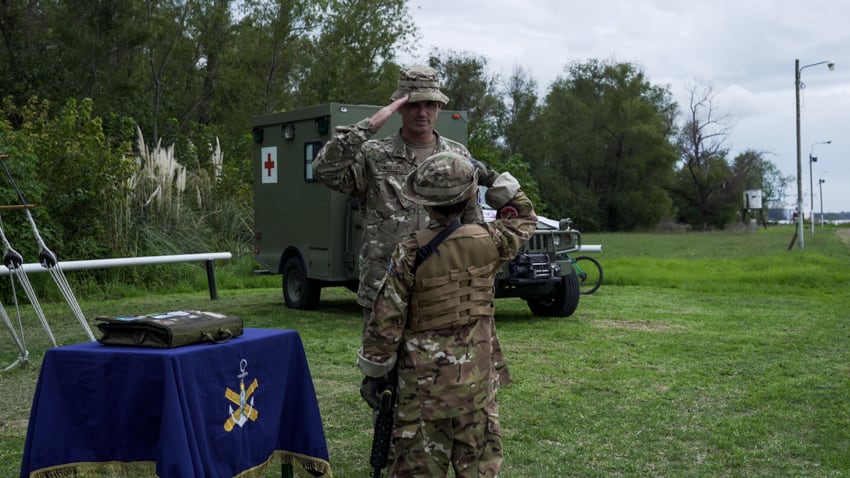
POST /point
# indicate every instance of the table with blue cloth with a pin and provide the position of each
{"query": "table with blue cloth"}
(205, 410)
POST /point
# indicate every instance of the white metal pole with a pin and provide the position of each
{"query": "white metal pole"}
(812, 159)
(123, 261)
(820, 193)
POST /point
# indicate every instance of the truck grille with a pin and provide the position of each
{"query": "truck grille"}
(539, 243)
(530, 266)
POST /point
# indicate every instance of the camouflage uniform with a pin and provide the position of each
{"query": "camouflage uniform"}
(373, 170)
(450, 363)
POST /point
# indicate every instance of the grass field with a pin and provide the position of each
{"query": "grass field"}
(703, 354)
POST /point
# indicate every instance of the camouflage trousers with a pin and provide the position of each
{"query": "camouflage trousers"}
(471, 443)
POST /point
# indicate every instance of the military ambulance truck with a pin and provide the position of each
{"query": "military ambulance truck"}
(311, 235)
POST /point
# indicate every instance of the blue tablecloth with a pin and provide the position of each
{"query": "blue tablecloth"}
(207, 410)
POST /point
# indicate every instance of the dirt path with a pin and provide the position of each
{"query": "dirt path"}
(844, 234)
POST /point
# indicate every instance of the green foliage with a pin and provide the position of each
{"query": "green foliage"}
(603, 156)
(261, 70)
(703, 198)
(708, 189)
(470, 88)
(19, 160)
(351, 59)
(521, 113)
(709, 193)
(69, 156)
(175, 208)
(96, 201)
(760, 173)
(59, 50)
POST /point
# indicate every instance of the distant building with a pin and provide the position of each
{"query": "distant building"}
(780, 215)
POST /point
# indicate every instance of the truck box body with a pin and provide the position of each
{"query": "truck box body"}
(294, 215)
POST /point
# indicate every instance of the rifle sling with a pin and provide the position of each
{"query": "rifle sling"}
(425, 251)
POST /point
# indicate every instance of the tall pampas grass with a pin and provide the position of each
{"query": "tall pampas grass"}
(159, 181)
(164, 206)
(173, 208)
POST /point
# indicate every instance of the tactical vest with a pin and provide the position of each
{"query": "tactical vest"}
(454, 286)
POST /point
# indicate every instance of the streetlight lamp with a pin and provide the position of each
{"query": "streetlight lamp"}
(813, 159)
(820, 187)
(798, 70)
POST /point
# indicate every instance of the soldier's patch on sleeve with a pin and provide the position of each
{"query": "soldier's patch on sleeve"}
(508, 212)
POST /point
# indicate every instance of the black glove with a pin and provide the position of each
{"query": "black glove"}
(371, 389)
(486, 176)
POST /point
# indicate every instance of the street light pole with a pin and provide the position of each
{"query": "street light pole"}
(820, 192)
(798, 70)
(813, 159)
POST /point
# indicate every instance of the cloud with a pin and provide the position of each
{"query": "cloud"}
(744, 50)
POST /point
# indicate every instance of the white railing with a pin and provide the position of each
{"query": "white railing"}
(207, 258)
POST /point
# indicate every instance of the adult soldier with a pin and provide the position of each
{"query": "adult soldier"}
(373, 170)
(433, 319)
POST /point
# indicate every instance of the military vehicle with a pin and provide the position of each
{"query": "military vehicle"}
(311, 235)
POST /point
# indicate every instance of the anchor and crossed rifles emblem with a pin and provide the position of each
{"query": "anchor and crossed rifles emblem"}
(244, 400)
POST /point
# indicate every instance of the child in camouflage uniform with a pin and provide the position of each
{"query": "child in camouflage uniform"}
(437, 323)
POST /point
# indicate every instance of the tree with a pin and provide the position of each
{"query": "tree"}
(350, 59)
(758, 173)
(211, 28)
(22, 32)
(470, 88)
(57, 50)
(772, 183)
(707, 189)
(603, 155)
(260, 75)
(520, 91)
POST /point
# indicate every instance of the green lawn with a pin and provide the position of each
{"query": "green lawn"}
(703, 354)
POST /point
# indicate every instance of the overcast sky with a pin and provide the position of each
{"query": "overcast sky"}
(744, 49)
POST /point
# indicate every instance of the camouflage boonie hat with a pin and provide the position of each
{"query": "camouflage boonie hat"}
(421, 83)
(442, 179)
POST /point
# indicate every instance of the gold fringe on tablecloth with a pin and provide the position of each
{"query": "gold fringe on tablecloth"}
(308, 463)
(147, 469)
(136, 469)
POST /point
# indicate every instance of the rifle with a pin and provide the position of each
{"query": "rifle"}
(382, 434)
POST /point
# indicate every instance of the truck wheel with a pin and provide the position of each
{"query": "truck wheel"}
(562, 302)
(299, 291)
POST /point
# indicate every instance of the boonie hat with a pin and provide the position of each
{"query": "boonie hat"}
(442, 179)
(421, 83)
